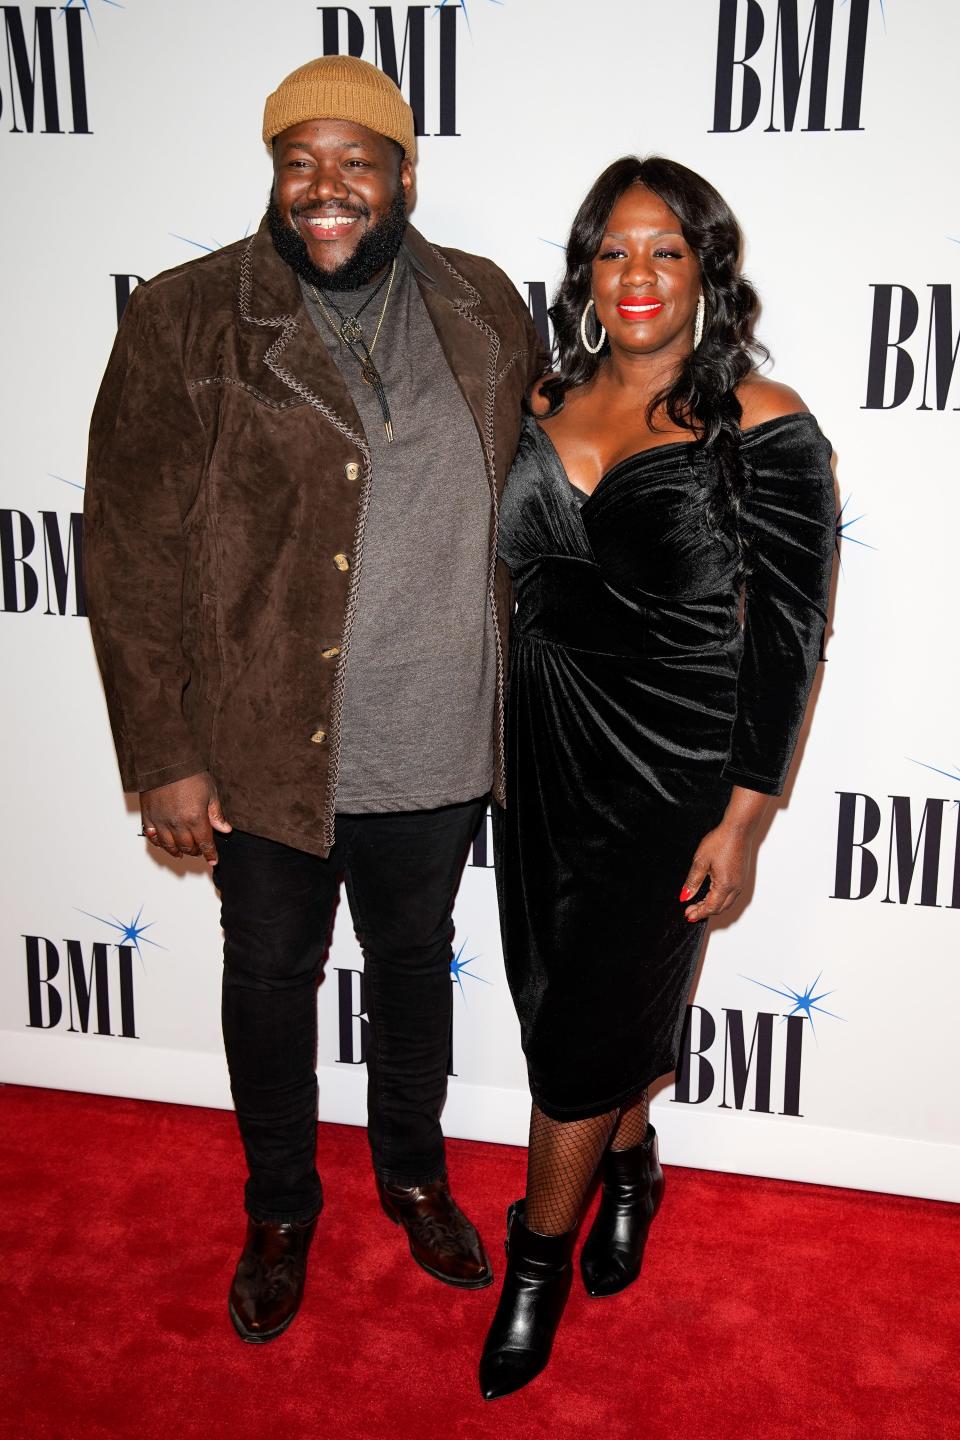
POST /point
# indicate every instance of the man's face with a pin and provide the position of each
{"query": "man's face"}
(339, 190)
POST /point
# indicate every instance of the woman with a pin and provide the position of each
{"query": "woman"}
(662, 490)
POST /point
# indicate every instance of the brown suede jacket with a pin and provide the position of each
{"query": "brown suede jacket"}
(227, 490)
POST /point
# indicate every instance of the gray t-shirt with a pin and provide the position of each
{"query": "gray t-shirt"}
(417, 722)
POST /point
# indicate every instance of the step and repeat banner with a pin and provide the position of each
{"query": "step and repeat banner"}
(821, 1038)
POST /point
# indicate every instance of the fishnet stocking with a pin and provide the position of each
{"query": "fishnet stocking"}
(561, 1162)
(631, 1128)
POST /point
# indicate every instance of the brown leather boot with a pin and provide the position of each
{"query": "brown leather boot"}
(442, 1240)
(268, 1284)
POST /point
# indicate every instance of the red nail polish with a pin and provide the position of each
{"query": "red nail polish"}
(686, 893)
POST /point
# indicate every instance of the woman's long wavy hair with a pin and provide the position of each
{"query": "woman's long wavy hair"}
(702, 396)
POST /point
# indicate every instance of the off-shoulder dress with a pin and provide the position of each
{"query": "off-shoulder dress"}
(641, 691)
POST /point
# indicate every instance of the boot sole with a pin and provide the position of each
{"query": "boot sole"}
(515, 1389)
(606, 1294)
(252, 1337)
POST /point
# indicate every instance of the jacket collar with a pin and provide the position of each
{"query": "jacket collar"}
(270, 298)
(274, 290)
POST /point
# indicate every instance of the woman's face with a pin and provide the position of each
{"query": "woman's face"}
(646, 280)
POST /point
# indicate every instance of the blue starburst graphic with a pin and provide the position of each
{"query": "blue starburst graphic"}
(64, 481)
(459, 968)
(199, 244)
(462, 5)
(131, 933)
(953, 774)
(883, 13)
(845, 526)
(804, 1001)
(84, 5)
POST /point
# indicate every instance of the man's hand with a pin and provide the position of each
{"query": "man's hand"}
(181, 818)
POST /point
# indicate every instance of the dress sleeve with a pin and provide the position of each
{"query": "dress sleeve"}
(788, 520)
(144, 468)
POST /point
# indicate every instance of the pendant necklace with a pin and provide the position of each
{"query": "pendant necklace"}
(351, 334)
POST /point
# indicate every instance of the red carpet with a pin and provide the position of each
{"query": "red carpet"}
(766, 1311)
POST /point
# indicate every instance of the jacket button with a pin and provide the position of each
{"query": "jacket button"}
(318, 737)
(341, 561)
(352, 470)
(330, 653)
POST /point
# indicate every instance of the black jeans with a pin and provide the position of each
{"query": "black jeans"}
(402, 872)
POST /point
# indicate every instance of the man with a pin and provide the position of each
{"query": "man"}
(295, 465)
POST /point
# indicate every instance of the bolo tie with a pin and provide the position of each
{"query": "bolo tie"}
(350, 332)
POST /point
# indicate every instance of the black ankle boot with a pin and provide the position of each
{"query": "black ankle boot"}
(535, 1290)
(632, 1190)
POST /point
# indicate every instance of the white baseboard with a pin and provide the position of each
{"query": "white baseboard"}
(744, 1144)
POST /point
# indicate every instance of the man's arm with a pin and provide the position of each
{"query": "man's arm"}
(144, 471)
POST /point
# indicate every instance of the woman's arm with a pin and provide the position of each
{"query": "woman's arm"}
(789, 517)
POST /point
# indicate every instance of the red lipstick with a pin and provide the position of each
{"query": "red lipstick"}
(639, 307)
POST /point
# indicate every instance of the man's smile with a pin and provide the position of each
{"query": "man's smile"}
(331, 227)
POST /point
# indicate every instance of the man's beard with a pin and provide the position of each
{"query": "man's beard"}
(375, 248)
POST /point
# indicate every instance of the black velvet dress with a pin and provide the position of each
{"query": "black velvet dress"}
(636, 701)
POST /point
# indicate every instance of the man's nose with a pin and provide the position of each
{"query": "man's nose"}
(328, 184)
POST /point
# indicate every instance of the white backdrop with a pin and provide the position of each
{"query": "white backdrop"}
(129, 139)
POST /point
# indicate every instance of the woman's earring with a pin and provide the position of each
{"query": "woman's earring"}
(698, 322)
(592, 349)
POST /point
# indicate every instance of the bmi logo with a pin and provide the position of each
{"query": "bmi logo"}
(46, 90)
(794, 64)
(537, 305)
(909, 355)
(41, 561)
(124, 284)
(408, 43)
(768, 1072)
(699, 1078)
(86, 987)
(352, 1007)
(480, 854)
(901, 851)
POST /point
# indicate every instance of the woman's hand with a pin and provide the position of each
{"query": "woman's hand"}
(724, 854)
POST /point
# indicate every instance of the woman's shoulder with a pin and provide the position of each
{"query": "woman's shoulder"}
(764, 400)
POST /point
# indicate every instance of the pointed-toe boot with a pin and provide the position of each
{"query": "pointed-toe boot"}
(268, 1285)
(535, 1290)
(612, 1253)
(442, 1240)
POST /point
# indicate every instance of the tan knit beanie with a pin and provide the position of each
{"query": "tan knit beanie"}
(340, 87)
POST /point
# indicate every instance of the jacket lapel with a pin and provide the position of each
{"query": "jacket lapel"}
(270, 299)
(470, 344)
